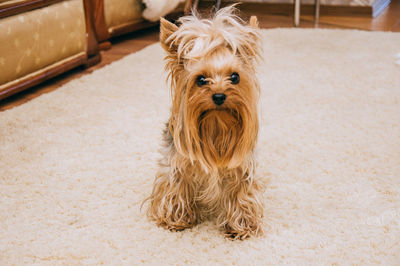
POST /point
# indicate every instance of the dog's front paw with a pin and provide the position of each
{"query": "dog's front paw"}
(177, 222)
(243, 229)
(171, 215)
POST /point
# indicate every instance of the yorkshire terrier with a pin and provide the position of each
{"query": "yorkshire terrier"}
(208, 163)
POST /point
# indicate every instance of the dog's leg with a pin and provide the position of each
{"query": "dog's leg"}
(172, 203)
(241, 207)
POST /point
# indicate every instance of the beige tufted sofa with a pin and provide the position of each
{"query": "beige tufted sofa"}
(42, 38)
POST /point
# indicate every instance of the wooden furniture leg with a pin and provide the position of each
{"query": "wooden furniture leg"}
(93, 53)
(102, 34)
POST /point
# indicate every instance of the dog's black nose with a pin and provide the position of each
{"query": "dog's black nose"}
(219, 98)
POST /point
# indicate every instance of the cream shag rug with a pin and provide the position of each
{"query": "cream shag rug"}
(76, 163)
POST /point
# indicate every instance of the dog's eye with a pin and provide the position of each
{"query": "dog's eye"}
(234, 78)
(201, 80)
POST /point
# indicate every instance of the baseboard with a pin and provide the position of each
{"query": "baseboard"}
(306, 9)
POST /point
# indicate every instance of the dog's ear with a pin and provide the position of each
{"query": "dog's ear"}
(249, 44)
(166, 29)
(253, 22)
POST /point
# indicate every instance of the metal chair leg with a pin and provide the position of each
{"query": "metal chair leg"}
(217, 5)
(296, 13)
(316, 18)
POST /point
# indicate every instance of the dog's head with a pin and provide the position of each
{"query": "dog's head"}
(211, 65)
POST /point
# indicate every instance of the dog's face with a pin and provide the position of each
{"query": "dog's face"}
(215, 91)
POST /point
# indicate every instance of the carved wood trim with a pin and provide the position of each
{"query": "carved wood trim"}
(9, 9)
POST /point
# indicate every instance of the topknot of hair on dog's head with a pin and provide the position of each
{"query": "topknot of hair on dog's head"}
(197, 37)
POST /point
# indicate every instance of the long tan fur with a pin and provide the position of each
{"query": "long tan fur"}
(208, 165)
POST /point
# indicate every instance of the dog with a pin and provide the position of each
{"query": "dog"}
(208, 164)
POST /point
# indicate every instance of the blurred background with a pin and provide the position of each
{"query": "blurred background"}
(116, 28)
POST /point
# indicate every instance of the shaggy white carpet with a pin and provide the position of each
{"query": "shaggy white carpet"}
(76, 163)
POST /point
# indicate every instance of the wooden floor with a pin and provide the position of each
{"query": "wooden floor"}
(388, 20)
